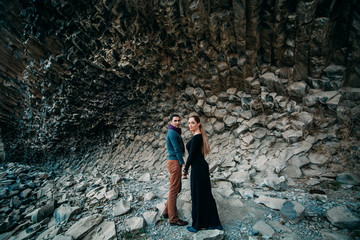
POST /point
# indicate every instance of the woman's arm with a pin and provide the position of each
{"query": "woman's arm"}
(196, 145)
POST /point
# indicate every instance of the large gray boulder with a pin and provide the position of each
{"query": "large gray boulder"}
(274, 203)
(82, 227)
(44, 211)
(277, 183)
(292, 211)
(341, 217)
(121, 208)
(135, 223)
(105, 231)
(65, 212)
(151, 217)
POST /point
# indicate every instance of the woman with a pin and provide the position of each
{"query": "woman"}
(204, 212)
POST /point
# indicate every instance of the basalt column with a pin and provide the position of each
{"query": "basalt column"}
(79, 75)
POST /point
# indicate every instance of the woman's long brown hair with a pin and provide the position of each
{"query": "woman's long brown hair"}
(206, 146)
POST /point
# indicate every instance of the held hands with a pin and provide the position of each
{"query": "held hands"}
(184, 173)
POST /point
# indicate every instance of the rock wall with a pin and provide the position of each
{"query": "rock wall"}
(275, 82)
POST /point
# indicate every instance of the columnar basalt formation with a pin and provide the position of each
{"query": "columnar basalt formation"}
(87, 88)
(78, 76)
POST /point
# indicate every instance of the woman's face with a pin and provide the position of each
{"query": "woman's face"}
(193, 125)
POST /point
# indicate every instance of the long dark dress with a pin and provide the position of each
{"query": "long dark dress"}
(204, 211)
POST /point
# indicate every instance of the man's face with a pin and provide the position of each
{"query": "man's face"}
(175, 122)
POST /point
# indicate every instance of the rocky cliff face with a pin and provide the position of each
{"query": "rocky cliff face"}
(267, 77)
(89, 86)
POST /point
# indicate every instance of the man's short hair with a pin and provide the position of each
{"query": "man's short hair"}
(174, 115)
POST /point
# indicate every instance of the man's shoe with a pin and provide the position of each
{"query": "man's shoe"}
(191, 229)
(179, 223)
(166, 215)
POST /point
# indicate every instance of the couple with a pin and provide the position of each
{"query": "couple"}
(204, 212)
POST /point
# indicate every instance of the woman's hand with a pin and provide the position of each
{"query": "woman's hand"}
(184, 172)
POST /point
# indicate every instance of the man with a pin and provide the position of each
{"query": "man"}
(175, 163)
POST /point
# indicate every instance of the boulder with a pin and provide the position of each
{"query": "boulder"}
(277, 183)
(149, 196)
(134, 223)
(334, 235)
(313, 170)
(260, 133)
(239, 178)
(81, 187)
(246, 193)
(341, 217)
(51, 232)
(230, 121)
(260, 163)
(212, 100)
(264, 229)
(293, 171)
(305, 117)
(292, 136)
(334, 71)
(274, 203)
(241, 129)
(324, 97)
(65, 212)
(246, 114)
(348, 178)
(121, 208)
(224, 188)
(292, 211)
(209, 235)
(199, 93)
(151, 217)
(209, 110)
(115, 179)
(299, 161)
(28, 233)
(220, 113)
(105, 231)
(161, 206)
(249, 139)
(145, 177)
(44, 211)
(112, 195)
(269, 79)
(317, 158)
(219, 127)
(82, 227)
(298, 89)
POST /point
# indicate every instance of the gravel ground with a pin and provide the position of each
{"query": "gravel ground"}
(238, 223)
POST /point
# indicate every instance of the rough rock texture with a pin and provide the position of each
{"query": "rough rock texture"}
(305, 211)
(89, 86)
(78, 77)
